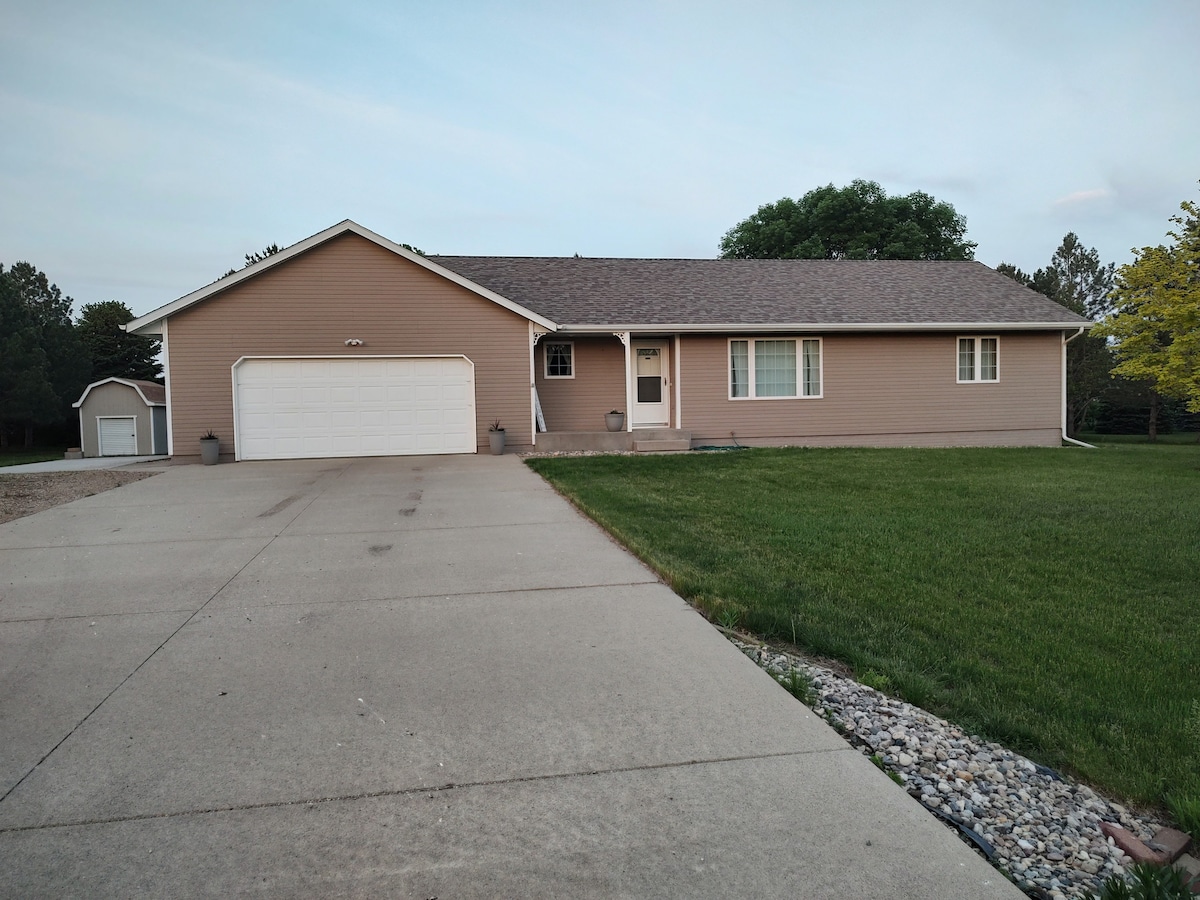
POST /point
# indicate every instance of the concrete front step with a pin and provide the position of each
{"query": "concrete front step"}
(667, 446)
(611, 441)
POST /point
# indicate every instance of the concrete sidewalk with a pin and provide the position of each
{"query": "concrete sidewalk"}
(412, 677)
(80, 465)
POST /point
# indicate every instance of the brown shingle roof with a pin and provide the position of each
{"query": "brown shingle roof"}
(617, 292)
(151, 390)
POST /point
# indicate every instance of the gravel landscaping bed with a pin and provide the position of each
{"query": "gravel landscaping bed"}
(1042, 828)
(24, 495)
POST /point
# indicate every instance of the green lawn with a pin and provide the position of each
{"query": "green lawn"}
(1045, 598)
(19, 457)
(1176, 437)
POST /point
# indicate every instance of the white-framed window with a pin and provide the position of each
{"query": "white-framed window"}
(978, 359)
(774, 368)
(559, 358)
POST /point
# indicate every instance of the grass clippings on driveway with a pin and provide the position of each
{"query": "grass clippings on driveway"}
(24, 495)
(1045, 598)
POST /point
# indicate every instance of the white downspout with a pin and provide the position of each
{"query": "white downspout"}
(1066, 340)
(166, 358)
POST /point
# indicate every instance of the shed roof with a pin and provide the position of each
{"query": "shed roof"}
(151, 392)
(681, 293)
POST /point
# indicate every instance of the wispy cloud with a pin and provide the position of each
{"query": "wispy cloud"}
(1082, 198)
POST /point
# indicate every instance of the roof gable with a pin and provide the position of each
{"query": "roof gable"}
(151, 323)
(151, 392)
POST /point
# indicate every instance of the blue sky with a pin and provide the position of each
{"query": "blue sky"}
(148, 146)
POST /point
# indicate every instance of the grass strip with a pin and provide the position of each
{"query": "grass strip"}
(1043, 598)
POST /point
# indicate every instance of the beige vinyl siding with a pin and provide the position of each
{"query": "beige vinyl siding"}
(114, 399)
(310, 305)
(579, 403)
(885, 390)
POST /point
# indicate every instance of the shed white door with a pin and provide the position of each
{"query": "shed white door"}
(118, 435)
(307, 408)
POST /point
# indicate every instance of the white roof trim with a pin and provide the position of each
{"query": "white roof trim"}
(148, 324)
(823, 327)
(125, 381)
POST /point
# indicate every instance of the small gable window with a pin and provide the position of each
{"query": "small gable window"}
(560, 359)
(978, 359)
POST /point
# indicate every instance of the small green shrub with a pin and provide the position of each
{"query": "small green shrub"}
(1146, 882)
(873, 679)
(799, 686)
(1186, 811)
(728, 617)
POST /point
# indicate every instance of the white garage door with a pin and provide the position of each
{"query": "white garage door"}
(118, 435)
(370, 406)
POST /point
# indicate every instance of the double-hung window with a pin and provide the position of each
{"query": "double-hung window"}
(978, 359)
(770, 368)
(560, 359)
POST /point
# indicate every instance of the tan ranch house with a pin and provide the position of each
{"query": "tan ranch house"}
(347, 344)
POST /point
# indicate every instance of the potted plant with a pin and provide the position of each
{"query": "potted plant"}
(210, 448)
(615, 420)
(496, 437)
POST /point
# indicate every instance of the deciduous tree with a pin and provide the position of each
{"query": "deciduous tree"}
(860, 221)
(1155, 323)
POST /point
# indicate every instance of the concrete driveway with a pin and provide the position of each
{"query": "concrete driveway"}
(410, 677)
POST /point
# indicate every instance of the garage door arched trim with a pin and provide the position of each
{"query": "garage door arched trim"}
(305, 407)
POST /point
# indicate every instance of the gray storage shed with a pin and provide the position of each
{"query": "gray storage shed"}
(123, 417)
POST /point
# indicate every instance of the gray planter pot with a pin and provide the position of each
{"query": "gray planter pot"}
(614, 421)
(496, 438)
(210, 451)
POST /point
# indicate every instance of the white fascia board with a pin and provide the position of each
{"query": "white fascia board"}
(149, 324)
(818, 327)
(115, 380)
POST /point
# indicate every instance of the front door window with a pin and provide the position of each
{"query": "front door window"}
(649, 375)
(651, 386)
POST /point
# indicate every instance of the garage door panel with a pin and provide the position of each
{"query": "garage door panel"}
(354, 407)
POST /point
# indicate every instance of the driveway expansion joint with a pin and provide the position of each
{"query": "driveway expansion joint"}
(154, 652)
(432, 789)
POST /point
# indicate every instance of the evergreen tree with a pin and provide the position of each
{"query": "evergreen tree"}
(114, 352)
(45, 365)
(1078, 280)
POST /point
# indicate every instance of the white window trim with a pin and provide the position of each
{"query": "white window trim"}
(978, 357)
(546, 359)
(799, 341)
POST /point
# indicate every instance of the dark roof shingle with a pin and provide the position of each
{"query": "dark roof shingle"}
(619, 292)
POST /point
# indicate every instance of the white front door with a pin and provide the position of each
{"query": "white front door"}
(651, 388)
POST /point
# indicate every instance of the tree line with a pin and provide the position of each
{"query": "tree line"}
(1143, 354)
(47, 358)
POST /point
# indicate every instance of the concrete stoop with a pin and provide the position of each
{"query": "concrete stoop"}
(666, 446)
(641, 440)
